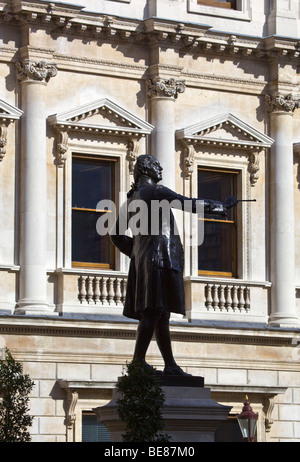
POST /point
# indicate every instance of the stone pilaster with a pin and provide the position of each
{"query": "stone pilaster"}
(33, 201)
(163, 93)
(282, 230)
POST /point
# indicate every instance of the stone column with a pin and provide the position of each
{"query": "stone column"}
(282, 231)
(163, 93)
(33, 202)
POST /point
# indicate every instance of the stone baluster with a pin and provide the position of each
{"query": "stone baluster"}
(123, 290)
(97, 290)
(221, 298)
(89, 291)
(228, 299)
(82, 289)
(208, 302)
(104, 290)
(241, 298)
(247, 299)
(235, 300)
(118, 291)
(215, 297)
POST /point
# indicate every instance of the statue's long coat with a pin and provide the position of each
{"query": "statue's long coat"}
(155, 278)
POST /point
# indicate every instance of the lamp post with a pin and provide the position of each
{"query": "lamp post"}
(247, 420)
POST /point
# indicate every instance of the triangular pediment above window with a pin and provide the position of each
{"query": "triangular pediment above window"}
(101, 116)
(8, 112)
(227, 131)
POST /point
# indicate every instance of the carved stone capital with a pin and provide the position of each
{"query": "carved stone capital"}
(279, 102)
(39, 71)
(165, 87)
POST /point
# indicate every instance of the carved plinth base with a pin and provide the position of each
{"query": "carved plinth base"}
(189, 412)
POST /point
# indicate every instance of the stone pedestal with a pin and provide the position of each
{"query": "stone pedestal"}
(190, 414)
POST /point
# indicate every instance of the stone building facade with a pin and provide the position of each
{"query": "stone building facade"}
(211, 88)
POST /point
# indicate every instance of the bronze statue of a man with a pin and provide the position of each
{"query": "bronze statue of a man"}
(155, 285)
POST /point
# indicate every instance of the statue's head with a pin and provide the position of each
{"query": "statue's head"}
(147, 165)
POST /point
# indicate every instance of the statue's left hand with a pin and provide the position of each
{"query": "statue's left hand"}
(230, 202)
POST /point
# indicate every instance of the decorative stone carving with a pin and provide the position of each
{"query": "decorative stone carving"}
(8, 114)
(62, 147)
(189, 154)
(165, 87)
(279, 102)
(72, 398)
(133, 150)
(3, 140)
(41, 71)
(253, 167)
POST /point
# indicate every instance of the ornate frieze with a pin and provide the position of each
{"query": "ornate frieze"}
(165, 87)
(280, 102)
(40, 71)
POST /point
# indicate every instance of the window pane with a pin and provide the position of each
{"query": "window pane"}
(228, 432)
(217, 251)
(216, 186)
(92, 430)
(87, 245)
(218, 3)
(91, 182)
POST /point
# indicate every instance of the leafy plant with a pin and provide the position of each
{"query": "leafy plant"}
(140, 403)
(14, 390)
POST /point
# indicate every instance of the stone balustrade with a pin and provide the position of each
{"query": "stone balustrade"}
(225, 297)
(102, 290)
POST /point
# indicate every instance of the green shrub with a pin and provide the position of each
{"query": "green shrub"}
(140, 403)
(14, 390)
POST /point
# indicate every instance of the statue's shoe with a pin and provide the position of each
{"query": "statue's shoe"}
(175, 370)
(149, 367)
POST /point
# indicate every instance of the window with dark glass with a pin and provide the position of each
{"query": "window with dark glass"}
(229, 431)
(217, 253)
(231, 4)
(92, 430)
(92, 181)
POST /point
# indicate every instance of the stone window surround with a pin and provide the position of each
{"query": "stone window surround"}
(241, 154)
(76, 134)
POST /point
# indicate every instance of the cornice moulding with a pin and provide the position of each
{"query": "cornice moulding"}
(187, 37)
(15, 325)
